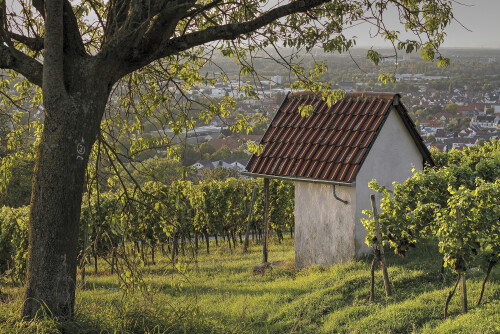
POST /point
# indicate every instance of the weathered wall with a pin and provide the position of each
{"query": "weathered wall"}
(324, 226)
(391, 158)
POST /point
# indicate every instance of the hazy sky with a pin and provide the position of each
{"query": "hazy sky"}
(482, 17)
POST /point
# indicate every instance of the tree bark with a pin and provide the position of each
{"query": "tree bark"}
(55, 216)
(70, 128)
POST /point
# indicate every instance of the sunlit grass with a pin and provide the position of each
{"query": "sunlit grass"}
(217, 293)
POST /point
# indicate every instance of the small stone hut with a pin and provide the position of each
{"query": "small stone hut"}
(331, 156)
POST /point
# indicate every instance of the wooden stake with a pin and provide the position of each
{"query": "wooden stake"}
(463, 286)
(380, 247)
(463, 290)
(245, 245)
(266, 219)
(372, 274)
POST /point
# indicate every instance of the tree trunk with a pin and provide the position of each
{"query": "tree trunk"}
(280, 235)
(55, 216)
(183, 244)
(208, 242)
(153, 253)
(228, 239)
(73, 111)
(95, 263)
(233, 236)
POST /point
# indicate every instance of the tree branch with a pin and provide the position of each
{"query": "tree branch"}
(53, 58)
(34, 43)
(15, 60)
(73, 43)
(136, 38)
(40, 7)
(144, 53)
(233, 31)
(200, 9)
(117, 14)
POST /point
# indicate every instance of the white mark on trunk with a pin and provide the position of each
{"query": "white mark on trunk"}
(80, 149)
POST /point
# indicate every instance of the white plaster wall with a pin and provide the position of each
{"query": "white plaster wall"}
(324, 226)
(391, 158)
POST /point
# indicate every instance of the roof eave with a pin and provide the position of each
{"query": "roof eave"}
(302, 179)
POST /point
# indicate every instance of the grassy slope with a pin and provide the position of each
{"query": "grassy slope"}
(217, 294)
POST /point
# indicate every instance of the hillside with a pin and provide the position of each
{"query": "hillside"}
(216, 293)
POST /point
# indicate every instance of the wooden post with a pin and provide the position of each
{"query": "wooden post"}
(266, 220)
(463, 289)
(245, 245)
(380, 247)
(372, 274)
(463, 285)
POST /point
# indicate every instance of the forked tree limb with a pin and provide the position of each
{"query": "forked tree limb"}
(133, 56)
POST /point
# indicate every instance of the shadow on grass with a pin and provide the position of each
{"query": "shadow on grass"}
(221, 296)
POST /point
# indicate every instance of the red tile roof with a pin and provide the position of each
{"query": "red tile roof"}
(217, 143)
(332, 143)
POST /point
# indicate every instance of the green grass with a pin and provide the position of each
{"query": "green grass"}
(218, 294)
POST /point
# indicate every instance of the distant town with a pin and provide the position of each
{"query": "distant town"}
(452, 107)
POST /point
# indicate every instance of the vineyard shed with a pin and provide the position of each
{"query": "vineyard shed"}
(331, 156)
